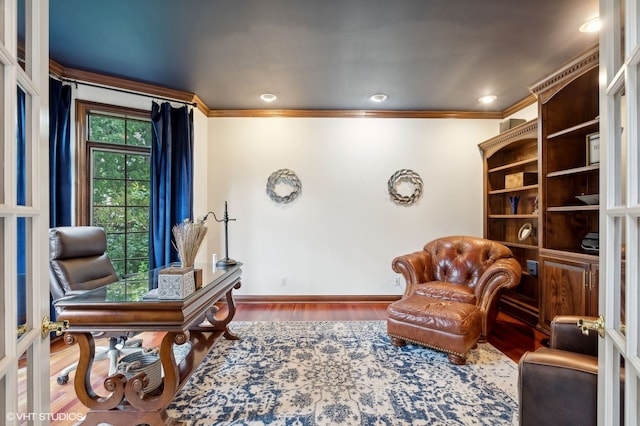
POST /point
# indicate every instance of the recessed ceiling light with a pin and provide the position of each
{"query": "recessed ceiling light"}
(487, 99)
(378, 97)
(593, 25)
(268, 97)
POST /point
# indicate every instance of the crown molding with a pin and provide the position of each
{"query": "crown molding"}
(188, 97)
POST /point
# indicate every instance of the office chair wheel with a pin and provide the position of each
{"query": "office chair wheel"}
(63, 379)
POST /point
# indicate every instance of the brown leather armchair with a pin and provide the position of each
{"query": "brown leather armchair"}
(558, 385)
(461, 269)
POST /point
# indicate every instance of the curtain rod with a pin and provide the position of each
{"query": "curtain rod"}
(131, 92)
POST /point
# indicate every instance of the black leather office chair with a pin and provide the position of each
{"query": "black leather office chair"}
(78, 263)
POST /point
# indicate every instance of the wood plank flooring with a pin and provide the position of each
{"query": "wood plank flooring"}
(509, 335)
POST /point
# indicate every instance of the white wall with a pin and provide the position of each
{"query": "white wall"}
(340, 235)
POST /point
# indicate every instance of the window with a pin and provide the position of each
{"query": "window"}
(114, 180)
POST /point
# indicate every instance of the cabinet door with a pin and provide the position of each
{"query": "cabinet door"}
(564, 289)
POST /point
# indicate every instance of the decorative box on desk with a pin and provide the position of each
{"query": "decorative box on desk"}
(175, 282)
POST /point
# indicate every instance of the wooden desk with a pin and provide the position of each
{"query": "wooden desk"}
(121, 308)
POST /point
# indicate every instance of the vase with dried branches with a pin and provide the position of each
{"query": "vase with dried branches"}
(188, 236)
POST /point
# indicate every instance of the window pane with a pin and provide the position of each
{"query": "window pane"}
(104, 128)
(138, 219)
(138, 133)
(138, 193)
(139, 167)
(108, 164)
(115, 241)
(108, 192)
(112, 219)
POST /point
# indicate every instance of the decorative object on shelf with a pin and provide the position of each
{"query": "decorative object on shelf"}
(226, 261)
(593, 148)
(188, 237)
(591, 242)
(517, 180)
(514, 203)
(175, 282)
(591, 199)
(534, 204)
(511, 123)
(405, 176)
(288, 178)
(525, 232)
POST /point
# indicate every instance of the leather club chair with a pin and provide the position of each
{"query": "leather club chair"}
(462, 269)
(78, 263)
(558, 385)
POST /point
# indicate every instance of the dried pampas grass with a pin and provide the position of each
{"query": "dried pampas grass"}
(188, 237)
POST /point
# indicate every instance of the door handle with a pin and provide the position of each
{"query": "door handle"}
(57, 326)
(597, 325)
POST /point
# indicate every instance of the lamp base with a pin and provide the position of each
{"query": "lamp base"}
(226, 262)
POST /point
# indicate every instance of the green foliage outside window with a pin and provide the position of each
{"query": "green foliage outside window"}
(120, 179)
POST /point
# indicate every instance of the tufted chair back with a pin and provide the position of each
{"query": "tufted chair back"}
(461, 269)
(462, 260)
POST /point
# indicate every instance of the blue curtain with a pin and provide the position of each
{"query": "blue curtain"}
(171, 178)
(59, 154)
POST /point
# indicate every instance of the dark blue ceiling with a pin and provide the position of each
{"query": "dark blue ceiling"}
(325, 54)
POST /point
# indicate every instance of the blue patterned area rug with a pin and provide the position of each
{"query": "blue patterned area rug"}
(343, 373)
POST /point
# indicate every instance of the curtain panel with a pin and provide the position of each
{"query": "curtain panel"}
(171, 178)
(60, 165)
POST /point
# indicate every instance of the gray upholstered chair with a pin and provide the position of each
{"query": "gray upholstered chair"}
(78, 263)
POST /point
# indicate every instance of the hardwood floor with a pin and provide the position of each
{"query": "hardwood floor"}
(509, 335)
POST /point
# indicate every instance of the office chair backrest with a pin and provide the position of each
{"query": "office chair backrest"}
(78, 260)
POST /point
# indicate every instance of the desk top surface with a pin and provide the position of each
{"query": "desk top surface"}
(126, 304)
(139, 288)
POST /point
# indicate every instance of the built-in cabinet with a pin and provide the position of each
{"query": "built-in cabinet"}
(566, 166)
(570, 286)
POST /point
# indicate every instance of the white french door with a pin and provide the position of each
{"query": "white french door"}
(619, 213)
(24, 212)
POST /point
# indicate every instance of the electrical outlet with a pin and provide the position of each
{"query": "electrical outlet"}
(283, 282)
(397, 282)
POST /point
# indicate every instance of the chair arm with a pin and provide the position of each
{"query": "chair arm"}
(566, 335)
(557, 387)
(502, 274)
(414, 267)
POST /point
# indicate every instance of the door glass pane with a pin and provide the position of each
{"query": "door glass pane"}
(619, 151)
(21, 150)
(22, 275)
(620, 270)
(22, 416)
(21, 54)
(2, 291)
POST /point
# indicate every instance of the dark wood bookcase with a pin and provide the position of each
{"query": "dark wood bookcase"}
(568, 116)
(514, 153)
(555, 146)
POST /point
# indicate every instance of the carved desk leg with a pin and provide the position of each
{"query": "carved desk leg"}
(82, 382)
(139, 407)
(221, 324)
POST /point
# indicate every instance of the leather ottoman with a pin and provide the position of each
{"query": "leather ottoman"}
(450, 327)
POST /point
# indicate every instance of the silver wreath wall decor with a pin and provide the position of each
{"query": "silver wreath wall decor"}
(286, 177)
(405, 175)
